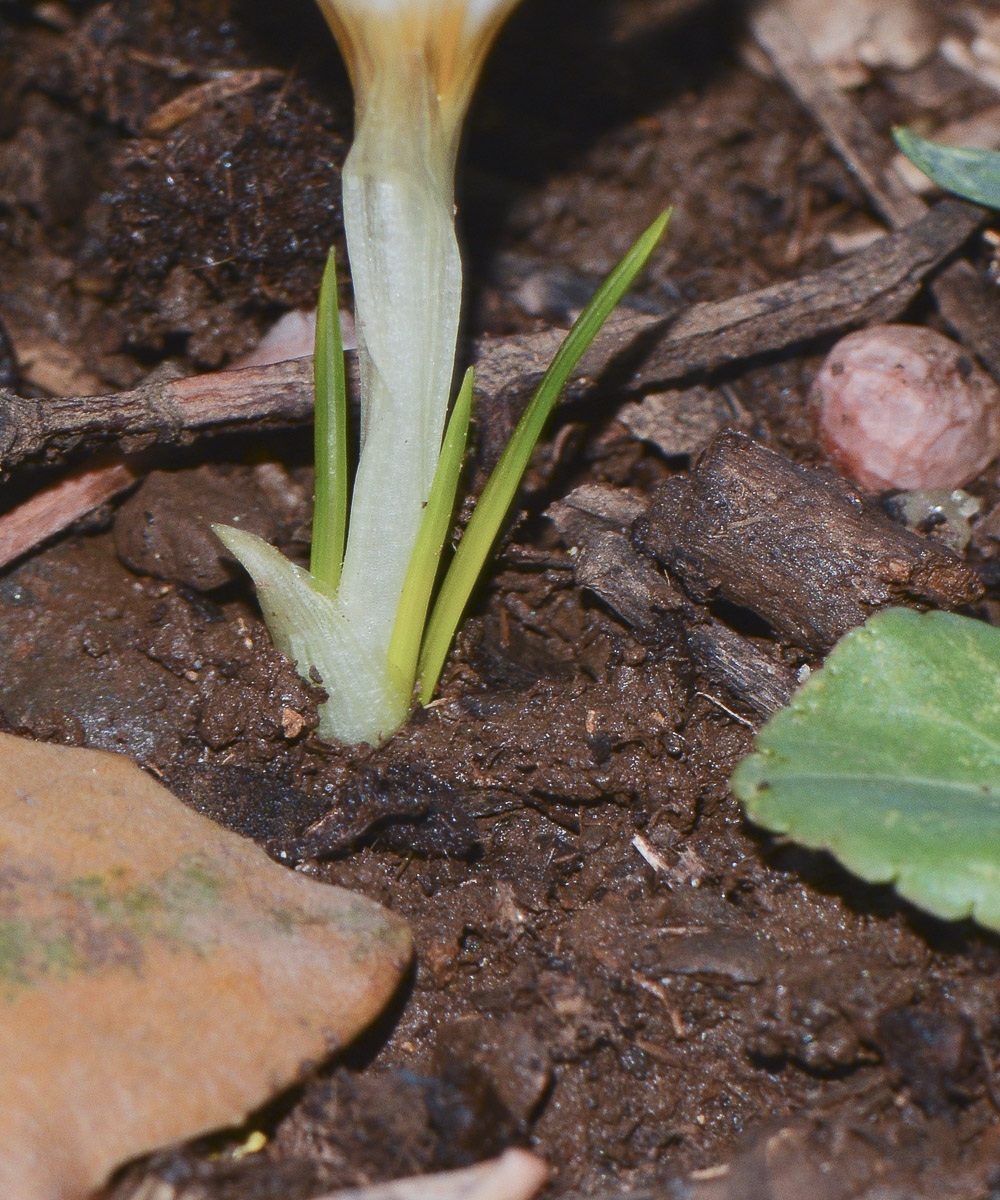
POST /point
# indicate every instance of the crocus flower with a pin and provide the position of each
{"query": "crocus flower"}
(358, 622)
(447, 41)
(413, 65)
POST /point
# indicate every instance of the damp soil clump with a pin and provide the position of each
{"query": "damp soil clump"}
(613, 967)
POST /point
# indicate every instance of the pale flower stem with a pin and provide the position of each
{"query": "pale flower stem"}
(413, 64)
(399, 219)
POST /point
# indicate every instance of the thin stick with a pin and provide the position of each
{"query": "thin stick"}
(863, 151)
(875, 284)
(51, 510)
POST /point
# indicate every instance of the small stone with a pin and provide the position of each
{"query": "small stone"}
(853, 37)
(942, 514)
(900, 406)
(159, 976)
(292, 722)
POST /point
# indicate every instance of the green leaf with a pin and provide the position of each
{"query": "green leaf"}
(501, 488)
(972, 174)
(426, 558)
(330, 504)
(889, 757)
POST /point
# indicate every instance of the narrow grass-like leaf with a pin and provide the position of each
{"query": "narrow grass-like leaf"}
(972, 174)
(416, 596)
(329, 530)
(889, 757)
(501, 488)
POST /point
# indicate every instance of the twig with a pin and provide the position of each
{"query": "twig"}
(160, 410)
(876, 284)
(51, 510)
(846, 129)
(966, 302)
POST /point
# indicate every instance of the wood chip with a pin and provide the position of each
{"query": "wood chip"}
(680, 423)
(738, 667)
(56, 507)
(824, 560)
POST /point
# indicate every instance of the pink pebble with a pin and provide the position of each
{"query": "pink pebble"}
(900, 406)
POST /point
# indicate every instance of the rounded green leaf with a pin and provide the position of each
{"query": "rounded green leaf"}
(889, 757)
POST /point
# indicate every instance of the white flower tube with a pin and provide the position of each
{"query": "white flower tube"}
(413, 64)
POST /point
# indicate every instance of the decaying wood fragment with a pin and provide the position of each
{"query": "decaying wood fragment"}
(57, 506)
(594, 506)
(681, 422)
(627, 582)
(740, 668)
(874, 285)
(594, 521)
(803, 551)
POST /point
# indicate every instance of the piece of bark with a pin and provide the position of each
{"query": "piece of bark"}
(594, 506)
(592, 523)
(626, 581)
(968, 303)
(680, 423)
(874, 285)
(57, 506)
(801, 550)
(729, 662)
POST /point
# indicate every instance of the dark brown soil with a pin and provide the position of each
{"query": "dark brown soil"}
(741, 1002)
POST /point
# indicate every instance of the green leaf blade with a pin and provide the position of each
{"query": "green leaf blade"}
(411, 616)
(971, 174)
(330, 504)
(501, 488)
(889, 758)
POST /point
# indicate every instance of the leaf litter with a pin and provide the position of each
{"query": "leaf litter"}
(159, 977)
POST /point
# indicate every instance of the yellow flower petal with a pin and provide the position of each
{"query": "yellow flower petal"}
(451, 37)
